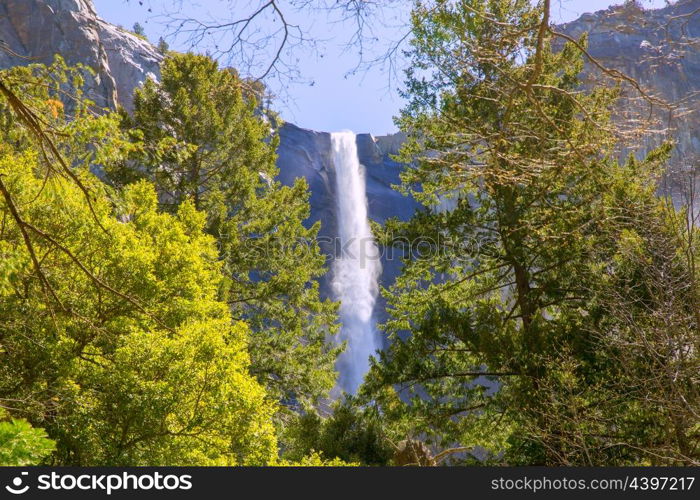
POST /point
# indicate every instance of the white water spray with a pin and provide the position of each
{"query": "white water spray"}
(357, 264)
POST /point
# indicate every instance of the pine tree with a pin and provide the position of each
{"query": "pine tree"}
(163, 46)
(138, 30)
(204, 141)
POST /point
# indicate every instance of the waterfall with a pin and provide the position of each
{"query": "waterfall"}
(356, 267)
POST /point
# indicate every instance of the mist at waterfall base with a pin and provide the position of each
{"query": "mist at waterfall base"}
(357, 266)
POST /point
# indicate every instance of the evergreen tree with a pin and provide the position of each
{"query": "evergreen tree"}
(351, 433)
(138, 30)
(163, 46)
(204, 141)
(501, 311)
(648, 307)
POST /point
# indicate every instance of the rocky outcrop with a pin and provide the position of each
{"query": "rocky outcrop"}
(659, 48)
(414, 453)
(35, 30)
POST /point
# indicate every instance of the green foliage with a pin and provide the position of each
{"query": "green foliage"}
(350, 433)
(161, 378)
(114, 335)
(506, 350)
(161, 317)
(204, 141)
(649, 310)
(21, 444)
(316, 460)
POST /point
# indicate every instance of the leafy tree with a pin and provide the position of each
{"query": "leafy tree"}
(204, 140)
(21, 444)
(350, 433)
(649, 312)
(160, 378)
(501, 311)
(114, 338)
(634, 401)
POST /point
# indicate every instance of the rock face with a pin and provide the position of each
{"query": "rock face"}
(661, 50)
(36, 30)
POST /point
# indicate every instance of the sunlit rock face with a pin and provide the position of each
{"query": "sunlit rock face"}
(35, 30)
(659, 48)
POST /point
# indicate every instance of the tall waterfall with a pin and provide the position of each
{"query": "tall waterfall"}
(356, 267)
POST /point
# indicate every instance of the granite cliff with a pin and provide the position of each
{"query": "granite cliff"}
(660, 49)
(35, 30)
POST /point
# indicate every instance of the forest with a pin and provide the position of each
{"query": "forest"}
(159, 287)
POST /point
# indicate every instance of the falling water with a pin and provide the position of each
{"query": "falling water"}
(357, 264)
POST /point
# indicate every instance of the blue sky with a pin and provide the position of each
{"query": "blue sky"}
(337, 100)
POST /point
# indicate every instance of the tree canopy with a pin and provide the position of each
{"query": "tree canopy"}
(500, 335)
(159, 297)
(203, 138)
